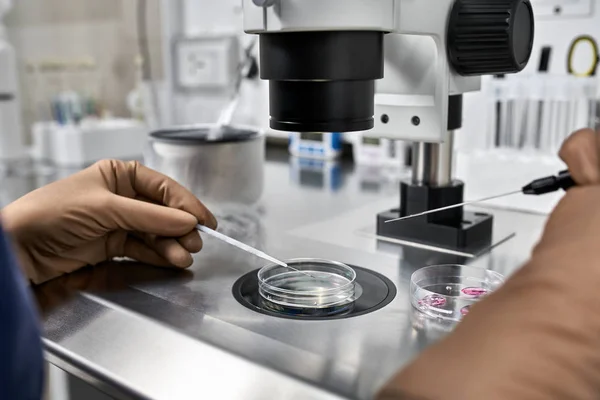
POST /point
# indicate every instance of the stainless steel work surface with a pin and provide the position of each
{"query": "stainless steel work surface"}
(143, 332)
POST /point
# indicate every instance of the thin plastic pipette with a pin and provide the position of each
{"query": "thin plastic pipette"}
(247, 248)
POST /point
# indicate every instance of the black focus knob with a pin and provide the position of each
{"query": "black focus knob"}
(490, 36)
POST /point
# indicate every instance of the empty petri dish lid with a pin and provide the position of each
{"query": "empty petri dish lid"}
(317, 284)
(448, 291)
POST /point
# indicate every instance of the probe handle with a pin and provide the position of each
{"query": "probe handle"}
(565, 180)
(550, 184)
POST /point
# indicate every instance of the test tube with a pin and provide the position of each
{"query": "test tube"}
(492, 130)
(547, 112)
(519, 114)
(499, 91)
(594, 104)
(504, 115)
(534, 101)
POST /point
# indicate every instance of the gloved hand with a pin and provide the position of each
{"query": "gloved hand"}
(111, 209)
(577, 217)
(581, 153)
(537, 336)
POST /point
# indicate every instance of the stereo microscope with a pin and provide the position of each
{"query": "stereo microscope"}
(325, 62)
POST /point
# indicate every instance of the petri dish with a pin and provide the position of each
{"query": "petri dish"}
(447, 292)
(318, 288)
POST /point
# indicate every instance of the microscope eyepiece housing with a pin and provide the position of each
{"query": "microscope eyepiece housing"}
(321, 81)
(322, 60)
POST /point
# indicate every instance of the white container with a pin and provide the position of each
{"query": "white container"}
(225, 172)
(316, 145)
(91, 141)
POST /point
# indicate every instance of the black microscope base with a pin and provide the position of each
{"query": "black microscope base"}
(474, 231)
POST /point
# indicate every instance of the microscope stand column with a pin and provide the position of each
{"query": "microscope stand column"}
(432, 187)
(432, 162)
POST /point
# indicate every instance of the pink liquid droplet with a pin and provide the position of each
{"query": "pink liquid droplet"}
(474, 291)
(465, 310)
(433, 300)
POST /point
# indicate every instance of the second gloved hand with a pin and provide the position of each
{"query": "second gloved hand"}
(537, 336)
(112, 209)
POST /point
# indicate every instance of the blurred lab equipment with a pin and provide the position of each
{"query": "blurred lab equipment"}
(78, 145)
(590, 63)
(505, 109)
(323, 80)
(139, 102)
(66, 91)
(317, 173)
(372, 150)
(73, 128)
(539, 186)
(538, 112)
(381, 163)
(585, 66)
(225, 116)
(208, 65)
(248, 68)
(381, 179)
(320, 145)
(11, 142)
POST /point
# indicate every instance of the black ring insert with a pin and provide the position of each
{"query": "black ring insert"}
(378, 292)
(200, 135)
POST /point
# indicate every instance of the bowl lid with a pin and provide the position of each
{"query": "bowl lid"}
(200, 135)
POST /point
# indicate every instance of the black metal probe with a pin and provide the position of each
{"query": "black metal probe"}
(548, 184)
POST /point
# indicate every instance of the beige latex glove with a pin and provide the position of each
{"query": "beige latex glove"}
(538, 337)
(112, 209)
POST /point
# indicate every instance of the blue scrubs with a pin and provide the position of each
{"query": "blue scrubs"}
(21, 359)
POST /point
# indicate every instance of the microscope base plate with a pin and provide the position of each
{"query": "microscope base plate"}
(475, 230)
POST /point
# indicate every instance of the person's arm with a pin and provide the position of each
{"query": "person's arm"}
(21, 360)
(538, 336)
(112, 209)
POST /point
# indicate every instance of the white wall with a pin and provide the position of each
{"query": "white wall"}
(202, 16)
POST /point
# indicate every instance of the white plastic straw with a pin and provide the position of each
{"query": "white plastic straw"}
(245, 247)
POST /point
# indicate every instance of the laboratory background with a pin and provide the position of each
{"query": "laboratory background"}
(199, 90)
